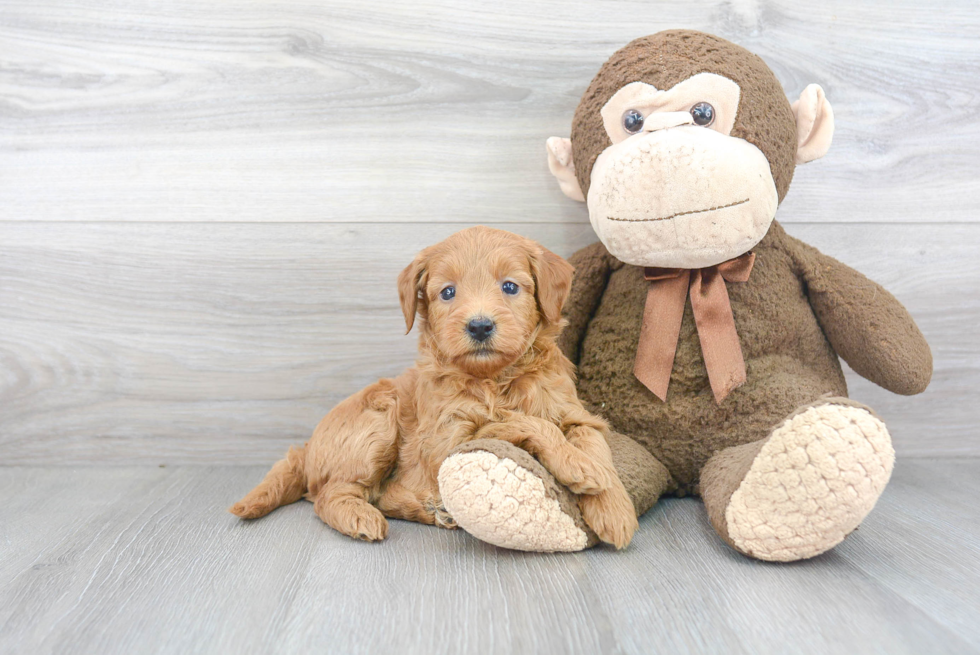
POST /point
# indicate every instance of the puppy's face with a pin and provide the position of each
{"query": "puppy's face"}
(482, 294)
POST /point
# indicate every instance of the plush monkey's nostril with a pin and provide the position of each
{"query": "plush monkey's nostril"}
(480, 328)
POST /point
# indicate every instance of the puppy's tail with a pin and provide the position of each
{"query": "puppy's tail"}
(284, 484)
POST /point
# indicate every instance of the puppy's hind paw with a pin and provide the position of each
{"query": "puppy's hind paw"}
(441, 515)
(252, 507)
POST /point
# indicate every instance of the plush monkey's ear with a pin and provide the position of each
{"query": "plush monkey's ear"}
(563, 168)
(411, 289)
(814, 124)
(552, 283)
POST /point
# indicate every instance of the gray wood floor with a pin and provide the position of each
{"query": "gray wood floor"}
(145, 560)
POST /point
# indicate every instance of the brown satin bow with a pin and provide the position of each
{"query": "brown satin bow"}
(712, 314)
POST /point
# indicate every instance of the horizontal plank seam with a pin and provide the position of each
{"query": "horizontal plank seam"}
(973, 459)
(437, 222)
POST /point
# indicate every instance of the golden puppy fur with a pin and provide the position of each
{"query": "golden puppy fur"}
(378, 452)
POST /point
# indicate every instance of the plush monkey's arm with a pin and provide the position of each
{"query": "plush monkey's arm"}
(865, 324)
(592, 267)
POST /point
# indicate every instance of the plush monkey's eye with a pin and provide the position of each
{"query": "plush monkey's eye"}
(510, 288)
(632, 121)
(448, 293)
(703, 114)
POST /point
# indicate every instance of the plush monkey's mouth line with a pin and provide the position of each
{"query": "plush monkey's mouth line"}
(667, 218)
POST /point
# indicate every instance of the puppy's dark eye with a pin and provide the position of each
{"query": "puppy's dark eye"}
(510, 288)
(632, 121)
(448, 293)
(703, 114)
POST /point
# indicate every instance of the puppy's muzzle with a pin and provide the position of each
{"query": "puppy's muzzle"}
(480, 328)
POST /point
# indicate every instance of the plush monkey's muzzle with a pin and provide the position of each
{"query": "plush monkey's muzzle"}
(681, 197)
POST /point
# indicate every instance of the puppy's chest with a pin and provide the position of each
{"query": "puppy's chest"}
(458, 421)
(492, 403)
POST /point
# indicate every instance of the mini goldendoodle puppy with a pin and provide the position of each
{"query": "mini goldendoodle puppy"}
(489, 305)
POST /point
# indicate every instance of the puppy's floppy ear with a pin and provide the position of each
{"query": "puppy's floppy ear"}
(411, 289)
(552, 282)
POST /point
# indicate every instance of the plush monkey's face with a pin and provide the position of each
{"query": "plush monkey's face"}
(681, 158)
(674, 181)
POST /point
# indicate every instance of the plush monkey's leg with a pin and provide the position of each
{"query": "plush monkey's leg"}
(644, 477)
(801, 490)
(500, 494)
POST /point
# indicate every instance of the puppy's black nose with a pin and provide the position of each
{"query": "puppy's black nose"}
(480, 328)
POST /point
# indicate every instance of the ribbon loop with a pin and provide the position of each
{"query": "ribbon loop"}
(662, 315)
(652, 274)
(738, 269)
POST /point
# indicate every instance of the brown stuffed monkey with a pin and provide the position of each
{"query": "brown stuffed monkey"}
(704, 334)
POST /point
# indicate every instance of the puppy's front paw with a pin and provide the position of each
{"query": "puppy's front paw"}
(580, 474)
(611, 515)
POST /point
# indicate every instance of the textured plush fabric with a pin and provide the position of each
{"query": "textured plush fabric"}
(644, 477)
(652, 102)
(814, 124)
(789, 360)
(794, 316)
(882, 344)
(593, 267)
(726, 470)
(720, 477)
(682, 196)
(809, 485)
(765, 118)
(553, 489)
(504, 496)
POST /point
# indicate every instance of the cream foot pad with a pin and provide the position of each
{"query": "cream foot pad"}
(813, 482)
(510, 504)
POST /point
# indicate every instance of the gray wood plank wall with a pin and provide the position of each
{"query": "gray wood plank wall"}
(203, 206)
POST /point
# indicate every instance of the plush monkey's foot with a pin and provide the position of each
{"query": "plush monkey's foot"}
(799, 492)
(500, 494)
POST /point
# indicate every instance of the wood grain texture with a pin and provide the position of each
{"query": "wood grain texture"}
(343, 111)
(203, 205)
(225, 343)
(144, 559)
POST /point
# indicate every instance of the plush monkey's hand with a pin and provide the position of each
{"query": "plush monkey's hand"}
(865, 324)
